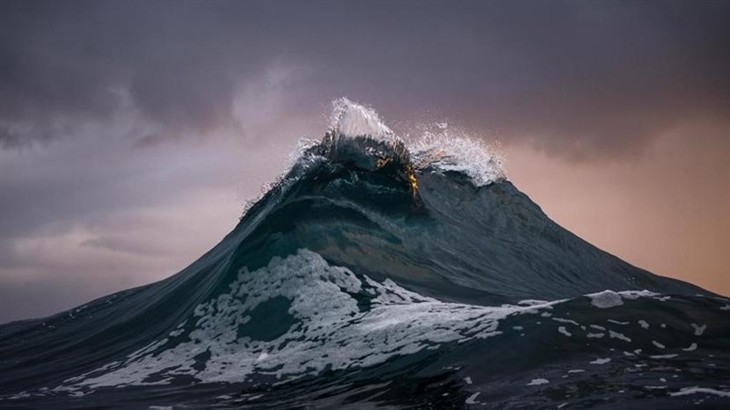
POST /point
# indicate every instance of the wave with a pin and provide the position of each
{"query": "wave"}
(383, 272)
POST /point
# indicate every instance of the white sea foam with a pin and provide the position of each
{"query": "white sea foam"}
(617, 322)
(473, 398)
(699, 329)
(635, 294)
(537, 382)
(700, 390)
(446, 152)
(691, 347)
(532, 302)
(330, 330)
(664, 356)
(561, 320)
(617, 335)
(606, 299)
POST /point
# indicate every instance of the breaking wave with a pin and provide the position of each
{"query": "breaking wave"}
(380, 272)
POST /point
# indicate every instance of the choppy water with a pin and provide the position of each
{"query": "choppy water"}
(378, 274)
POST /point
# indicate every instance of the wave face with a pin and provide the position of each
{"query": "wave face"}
(383, 274)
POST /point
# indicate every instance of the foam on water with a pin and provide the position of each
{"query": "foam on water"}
(328, 330)
(606, 299)
(699, 329)
(338, 320)
(700, 390)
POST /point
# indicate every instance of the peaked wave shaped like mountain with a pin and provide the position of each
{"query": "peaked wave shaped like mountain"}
(380, 273)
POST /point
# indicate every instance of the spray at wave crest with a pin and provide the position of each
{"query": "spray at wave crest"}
(357, 136)
(360, 128)
(356, 129)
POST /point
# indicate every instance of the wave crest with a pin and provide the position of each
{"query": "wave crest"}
(357, 136)
(350, 119)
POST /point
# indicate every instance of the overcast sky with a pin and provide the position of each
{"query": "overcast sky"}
(132, 133)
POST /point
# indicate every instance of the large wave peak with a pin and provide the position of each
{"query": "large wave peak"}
(337, 289)
(358, 137)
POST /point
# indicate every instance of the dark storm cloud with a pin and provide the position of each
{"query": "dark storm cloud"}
(578, 78)
(118, 194)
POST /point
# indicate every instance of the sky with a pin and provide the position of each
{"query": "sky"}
(133, 133)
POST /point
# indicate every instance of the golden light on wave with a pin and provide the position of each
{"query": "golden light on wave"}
(381, 162)
(412, 180)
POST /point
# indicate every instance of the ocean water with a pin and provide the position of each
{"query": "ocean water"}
(384, 274)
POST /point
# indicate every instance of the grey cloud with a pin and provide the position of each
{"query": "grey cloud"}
(108, 88)
(19, 300)
(95, 209)
(130, 246)
(596, 78)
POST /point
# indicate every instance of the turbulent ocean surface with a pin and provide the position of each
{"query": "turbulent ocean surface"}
(381, 274)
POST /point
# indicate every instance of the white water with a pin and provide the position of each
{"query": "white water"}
(350, 119)
(446, 152)
(331, 332)
(439, 151)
